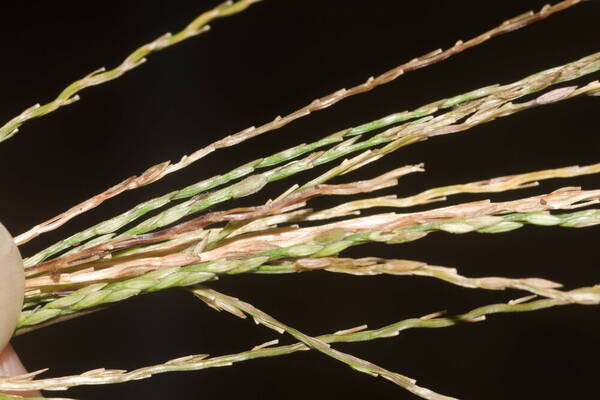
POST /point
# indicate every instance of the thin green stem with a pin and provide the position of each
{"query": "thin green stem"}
(495, 104)
(158, 171)
(325, 243)
(586, 295)
(69, 94)
(239, 308)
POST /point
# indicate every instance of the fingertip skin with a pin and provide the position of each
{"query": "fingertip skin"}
(10, 365)
(12, 286)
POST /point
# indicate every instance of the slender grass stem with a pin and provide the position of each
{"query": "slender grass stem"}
(160, 170)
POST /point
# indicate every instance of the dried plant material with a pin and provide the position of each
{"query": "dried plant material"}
(492, 185)
(101, 376)
(376, 266)
(199, 26)
(106, 272)
(293, 201)
(351, 330)
(319, 345)
(56, 222)
(501, 184)
(315, 244)
(427, 221)
(265, 345)
(496, 105)
(190, 243)
(196, 363)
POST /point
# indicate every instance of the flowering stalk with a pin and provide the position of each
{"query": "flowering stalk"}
(187, 244)
(138, 57)
(325, 242)
(158, 171)
(494, 104)
(587, 295)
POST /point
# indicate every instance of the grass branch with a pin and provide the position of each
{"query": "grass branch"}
(160, 170)
(590, 296)
(70, 94)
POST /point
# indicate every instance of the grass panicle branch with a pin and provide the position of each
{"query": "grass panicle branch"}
(189, 244)
(368, 266)
(325, 241)
(70, 94)
(359, 334)
(353, 208)
(480, 106)
(160, 170)
(240, 308)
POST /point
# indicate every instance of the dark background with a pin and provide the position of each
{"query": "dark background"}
(270, 60)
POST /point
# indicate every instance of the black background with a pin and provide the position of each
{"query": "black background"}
(270, 60)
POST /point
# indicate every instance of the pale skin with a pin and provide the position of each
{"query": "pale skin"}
(12, 287)
(10, 365)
